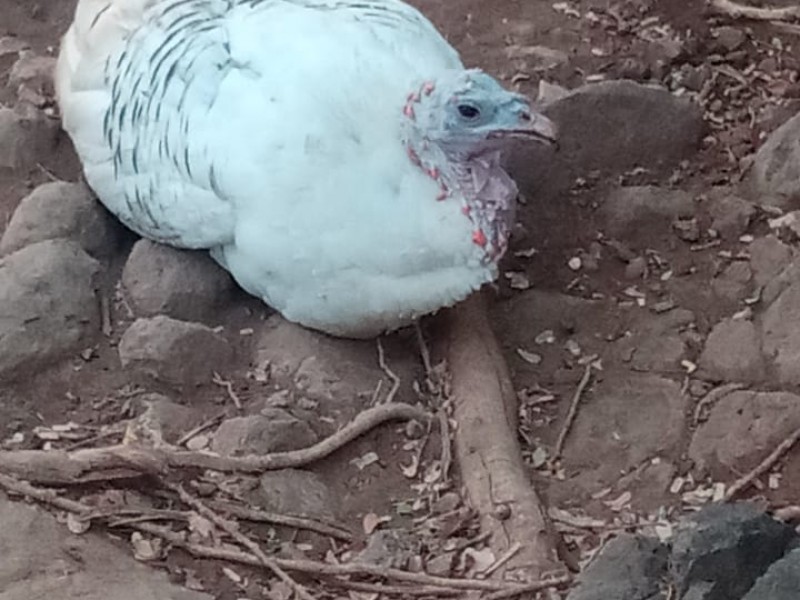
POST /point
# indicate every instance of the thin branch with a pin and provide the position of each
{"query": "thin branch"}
(245, 541)
(123, 461)
(573, 411)
(764, 466)
(394, 377)
(735, 10)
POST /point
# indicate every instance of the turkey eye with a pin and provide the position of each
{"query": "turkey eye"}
(468, 111)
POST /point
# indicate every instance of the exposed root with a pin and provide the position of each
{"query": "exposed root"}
(734, 10)
(415, 584)
(55, 467)
(487, 450)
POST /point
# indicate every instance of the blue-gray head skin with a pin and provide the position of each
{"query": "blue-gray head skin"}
(468, 113)
(456, 130)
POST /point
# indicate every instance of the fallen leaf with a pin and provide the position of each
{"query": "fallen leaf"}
(145, 549)
(364, 461)
(77, 525)
(372, 521)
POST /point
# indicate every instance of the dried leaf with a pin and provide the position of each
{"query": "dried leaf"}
(364, 461)
(529, 357)
(412, 469)
(372, 521)
(200, 525)
(145, 549)
(77, 525)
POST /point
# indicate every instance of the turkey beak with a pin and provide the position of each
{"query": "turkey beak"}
(536, 127)
(532, 126)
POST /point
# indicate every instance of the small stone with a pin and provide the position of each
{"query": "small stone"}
(391, 548)
(768, 257)
(719, 552)
(774, 178)
(183, 284)
(733, 352)
(35, 74)
(162, 421)
(731, 216)
(781, 341)
(49, 309)
(742, 429)
(62, 210)
(295, 492)
(780, 582)
(687, 229)
(734, 283)
(25, 136)
(730, 39)
(175, 352)
(440, 565)
(629, 567)
(274, 430)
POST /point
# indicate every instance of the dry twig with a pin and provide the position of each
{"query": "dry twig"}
(573, 411)
(764, 466)
(735, 10)
(314, 568)
(245, 541)
(394, 377)
(199, 429)
(712, 397)
(228, 385)
(122, 461)
(261, 516)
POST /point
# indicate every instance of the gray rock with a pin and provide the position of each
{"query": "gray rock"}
(734, 283)
(733, 352)
(729, 38)
(295, 492)
(628, 209)
(655, 343)
(629, 567)
(162, 420)
(768, 257)
(40, 558)
(774, 178)
(62, 210)
(32, 77)
(339, 374)
(175, 352)
(731, 216)
(391, 548)
(625, 136)
(274, 430)
(182, 284)
(781, 342)
(49, 308)
(742, 429)
(25, 135)
(654, 428)
(780, 582)
(718, 553)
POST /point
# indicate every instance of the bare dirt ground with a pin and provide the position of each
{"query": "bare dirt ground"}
(641, 300)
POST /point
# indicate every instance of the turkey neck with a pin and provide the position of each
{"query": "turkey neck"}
(471, 178)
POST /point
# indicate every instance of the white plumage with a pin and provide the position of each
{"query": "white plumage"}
(319, 149)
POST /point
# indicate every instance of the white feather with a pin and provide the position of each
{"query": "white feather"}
(268, 131)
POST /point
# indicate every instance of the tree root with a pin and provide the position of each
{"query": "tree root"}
(56, 467)
(489, 456)
(735, 10)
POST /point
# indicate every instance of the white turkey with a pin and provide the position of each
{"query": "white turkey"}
(334, 156)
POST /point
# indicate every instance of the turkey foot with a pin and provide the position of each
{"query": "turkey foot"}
(486, 447)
